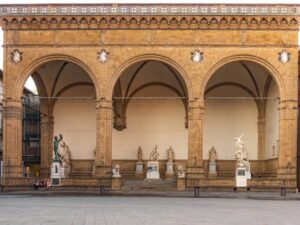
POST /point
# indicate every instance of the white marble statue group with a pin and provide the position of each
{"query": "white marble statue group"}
(241, 154)
(153, 161)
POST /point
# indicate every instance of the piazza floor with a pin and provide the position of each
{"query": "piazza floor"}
(65, 210)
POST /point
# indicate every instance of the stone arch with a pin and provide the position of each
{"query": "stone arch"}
(268, 66)
(48, 58)
(122, 68)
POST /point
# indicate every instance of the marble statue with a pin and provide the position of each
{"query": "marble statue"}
(154, 154)
(180, 171)
(116, 171)
(56, 146)
(65, 153)
(140, 154)
(212, 155)
(170, 153)
(241, 154)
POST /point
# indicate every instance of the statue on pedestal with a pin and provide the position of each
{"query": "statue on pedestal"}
(139, 166)
(212, 166)
(170, 153)
(241, 154)
(154, 154)
(140, 154)
(56, 146)
(170, 164)
(212, 155)
(243, 171)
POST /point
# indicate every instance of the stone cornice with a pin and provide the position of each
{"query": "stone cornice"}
(159, 16)
(148, 9)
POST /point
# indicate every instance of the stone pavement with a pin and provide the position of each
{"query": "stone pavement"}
(68, 209)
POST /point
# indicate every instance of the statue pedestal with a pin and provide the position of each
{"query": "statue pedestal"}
(55, 172)
(139, 170)
(212, 170)
(248, 172)
(153, 170)
(116, 183)
(169, 170)
(181, 184)
(240, 177)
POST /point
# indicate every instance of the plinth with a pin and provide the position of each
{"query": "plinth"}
(240, 177)
(181, 184)
(116, 183)
(169, 170)
(139, 170)
(212, 170)
(55, 172)
(153, 170)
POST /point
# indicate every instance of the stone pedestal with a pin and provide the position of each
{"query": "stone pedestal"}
(153, 170)
(116, 183)
(240, 177)
(180, 184)
(139, 170)
(248, 172)
(56, 171)
(212, 170)
(169, 170)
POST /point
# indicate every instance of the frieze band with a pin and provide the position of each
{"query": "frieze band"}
(135, 9)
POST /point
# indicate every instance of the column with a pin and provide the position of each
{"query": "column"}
(103, 157)
(195, 137)
(288, 140)
(12, 138)
(47, 125)
(261, 129)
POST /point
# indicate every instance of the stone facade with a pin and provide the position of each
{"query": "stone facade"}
(223, 34)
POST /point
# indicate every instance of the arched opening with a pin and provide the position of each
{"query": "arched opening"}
(65, 104)
(242, 97)
(150, 108)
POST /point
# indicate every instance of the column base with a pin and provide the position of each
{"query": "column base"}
(195, 173)
(13, 171)
(287, 173)
(103, 171)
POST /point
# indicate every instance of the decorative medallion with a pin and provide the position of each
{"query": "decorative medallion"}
(284, 56)
(103, 56)
(16, 56)
(197, 56)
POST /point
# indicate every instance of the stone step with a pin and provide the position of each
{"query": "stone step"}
(74, 173)
(149, 185)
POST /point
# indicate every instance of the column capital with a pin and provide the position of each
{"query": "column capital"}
(13, 112)
(288, 104)
(103, 103)
(195, 109)
(195, 103)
